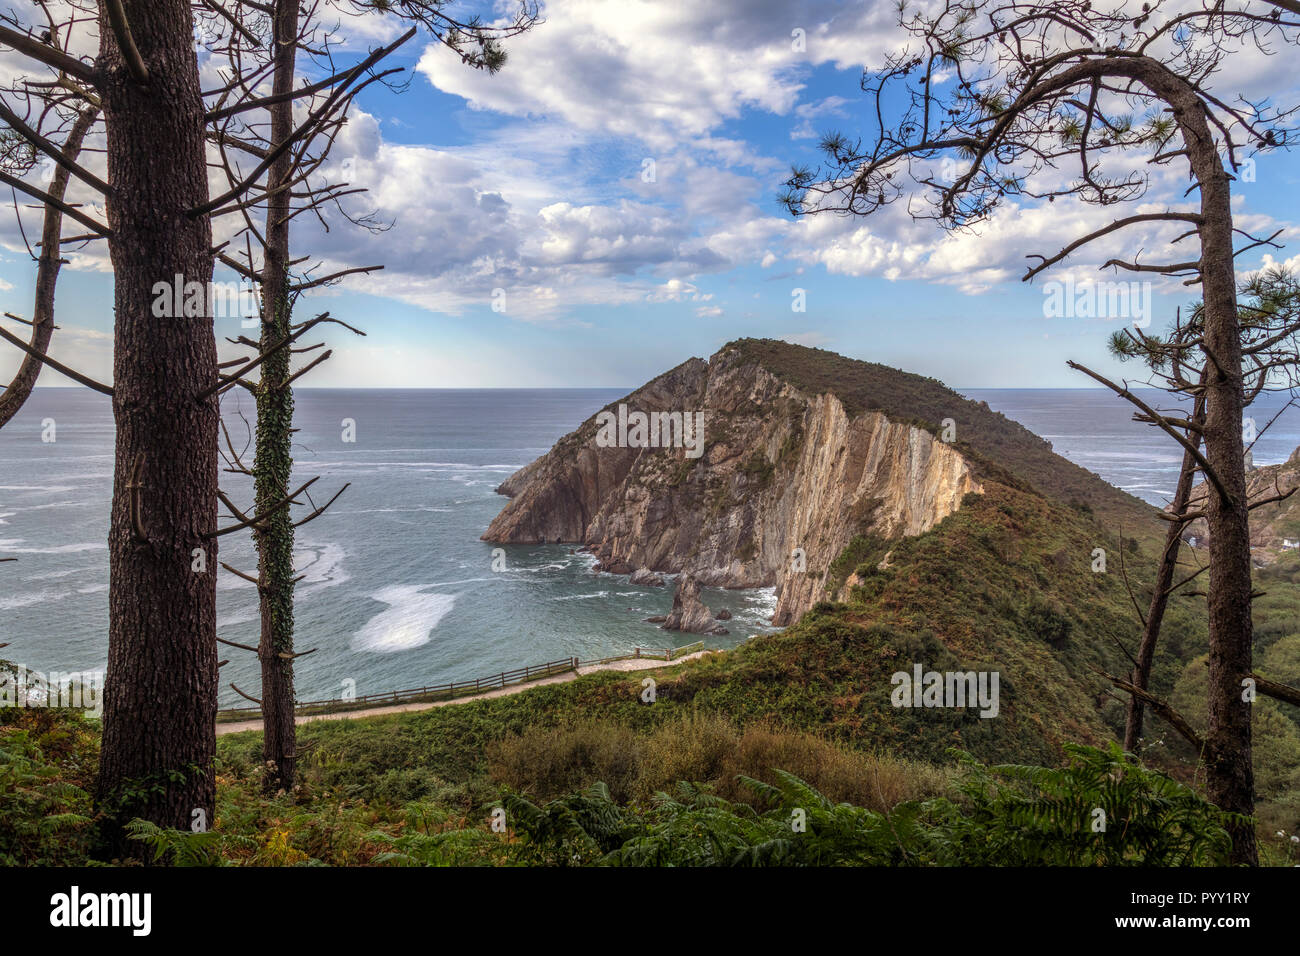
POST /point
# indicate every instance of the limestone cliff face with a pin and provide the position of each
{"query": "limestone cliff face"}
(1275, 526)
(785, 481)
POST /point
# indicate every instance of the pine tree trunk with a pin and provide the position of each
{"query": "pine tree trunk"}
(273, 462)
(160, 699)
(1229, 775)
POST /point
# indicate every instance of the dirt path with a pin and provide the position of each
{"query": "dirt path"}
(633, 664)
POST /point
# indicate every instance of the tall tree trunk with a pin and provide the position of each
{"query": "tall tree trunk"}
(273, 461)
(47, 275)
(160, 698)
(1160, 596)
(1229, 775)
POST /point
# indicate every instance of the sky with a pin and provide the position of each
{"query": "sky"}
(605, 207)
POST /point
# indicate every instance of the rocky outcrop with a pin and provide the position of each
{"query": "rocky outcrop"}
(784, 481)
(689, 612)
(646, 578)
(1274, 526)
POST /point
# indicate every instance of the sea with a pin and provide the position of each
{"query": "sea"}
(397, 590)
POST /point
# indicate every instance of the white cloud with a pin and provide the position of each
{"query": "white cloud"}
(663, 72)
(810, 112)
(678, 290)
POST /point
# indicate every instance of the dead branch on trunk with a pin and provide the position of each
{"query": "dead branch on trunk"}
(1161, 707)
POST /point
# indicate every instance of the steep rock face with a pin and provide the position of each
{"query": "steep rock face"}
(646, 578)
(1275, 526)
(785, 481)
(689, 612)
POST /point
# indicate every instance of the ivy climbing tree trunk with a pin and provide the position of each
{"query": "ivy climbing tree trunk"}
(160, 698)
(273, 461)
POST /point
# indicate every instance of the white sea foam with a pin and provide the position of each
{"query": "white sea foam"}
(232, 620)
(580, 597)
(68, 503)
(408, 623)
(763, 600)
(232, 582)
(54, 575)
(384, 511)
(30, 598)
(321, 565)
(457, 465)
(11, 546)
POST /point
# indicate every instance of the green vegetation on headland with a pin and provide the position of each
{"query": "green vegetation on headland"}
(1005, 584)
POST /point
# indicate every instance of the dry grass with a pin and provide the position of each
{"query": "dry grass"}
(549, 762)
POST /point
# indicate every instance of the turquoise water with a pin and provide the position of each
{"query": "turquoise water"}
(398, 590)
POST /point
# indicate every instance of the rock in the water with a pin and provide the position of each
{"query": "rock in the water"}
(657, 619)
(646, 577)
(724, 615)
(689, 613)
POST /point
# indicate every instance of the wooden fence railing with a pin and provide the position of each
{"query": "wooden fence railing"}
(463, 688)
(641, 653)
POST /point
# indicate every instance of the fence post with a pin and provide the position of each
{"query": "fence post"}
(636, 652)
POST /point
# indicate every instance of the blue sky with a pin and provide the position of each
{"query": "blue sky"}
(531, 182)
